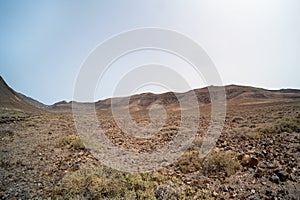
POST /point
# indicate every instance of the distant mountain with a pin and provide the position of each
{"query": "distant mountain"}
(244, 95)
(9, 99)
(235, 95)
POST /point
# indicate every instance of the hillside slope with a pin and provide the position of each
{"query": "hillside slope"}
(9, 99)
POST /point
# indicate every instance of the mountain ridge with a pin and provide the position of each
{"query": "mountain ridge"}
(235, 94)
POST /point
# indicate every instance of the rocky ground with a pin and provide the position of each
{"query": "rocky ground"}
(256, 157)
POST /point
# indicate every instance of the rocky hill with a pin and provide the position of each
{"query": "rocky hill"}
(9, 99)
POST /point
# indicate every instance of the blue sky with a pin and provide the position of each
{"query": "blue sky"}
(44, 43)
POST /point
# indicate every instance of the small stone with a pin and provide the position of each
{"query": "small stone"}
(257, 175)
(225, 189)
(292, 177)
(215, 194)
(252, 191)
(255, 198)
(166, 192)
(237, 119)
(240, 156)
(248, 161)
(268, 191)
(275, 179)
(283, 175)
(259, 170)
(253, 162)
(80, 153)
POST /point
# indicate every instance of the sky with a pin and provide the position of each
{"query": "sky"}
(43, 44)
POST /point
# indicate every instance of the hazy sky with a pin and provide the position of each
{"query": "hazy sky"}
(44, 43)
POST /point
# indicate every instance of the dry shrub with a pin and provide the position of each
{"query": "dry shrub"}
(6, 133)
(88, 183)
(287, 126)
(105, 183)
(198, 141)
(73, 141)
(189, 162)
(220, 164)
(283, 125)
(255, 136)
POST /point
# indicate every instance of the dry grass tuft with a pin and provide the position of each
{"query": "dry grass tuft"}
(255, 136)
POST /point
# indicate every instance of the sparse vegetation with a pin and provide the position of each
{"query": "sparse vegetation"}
(195, 193)
(287, 126)
(6, 133)
(198, 142)
(73, 141)
(255, 136)
(88, 183)
(189, 162)
(138, 186)
(221, 164)
(30, 124)
(283, 125)
(266, 129)
(105, 183)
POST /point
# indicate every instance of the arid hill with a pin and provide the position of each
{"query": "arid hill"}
(9, 99)
(32, 101)
(235, 95)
